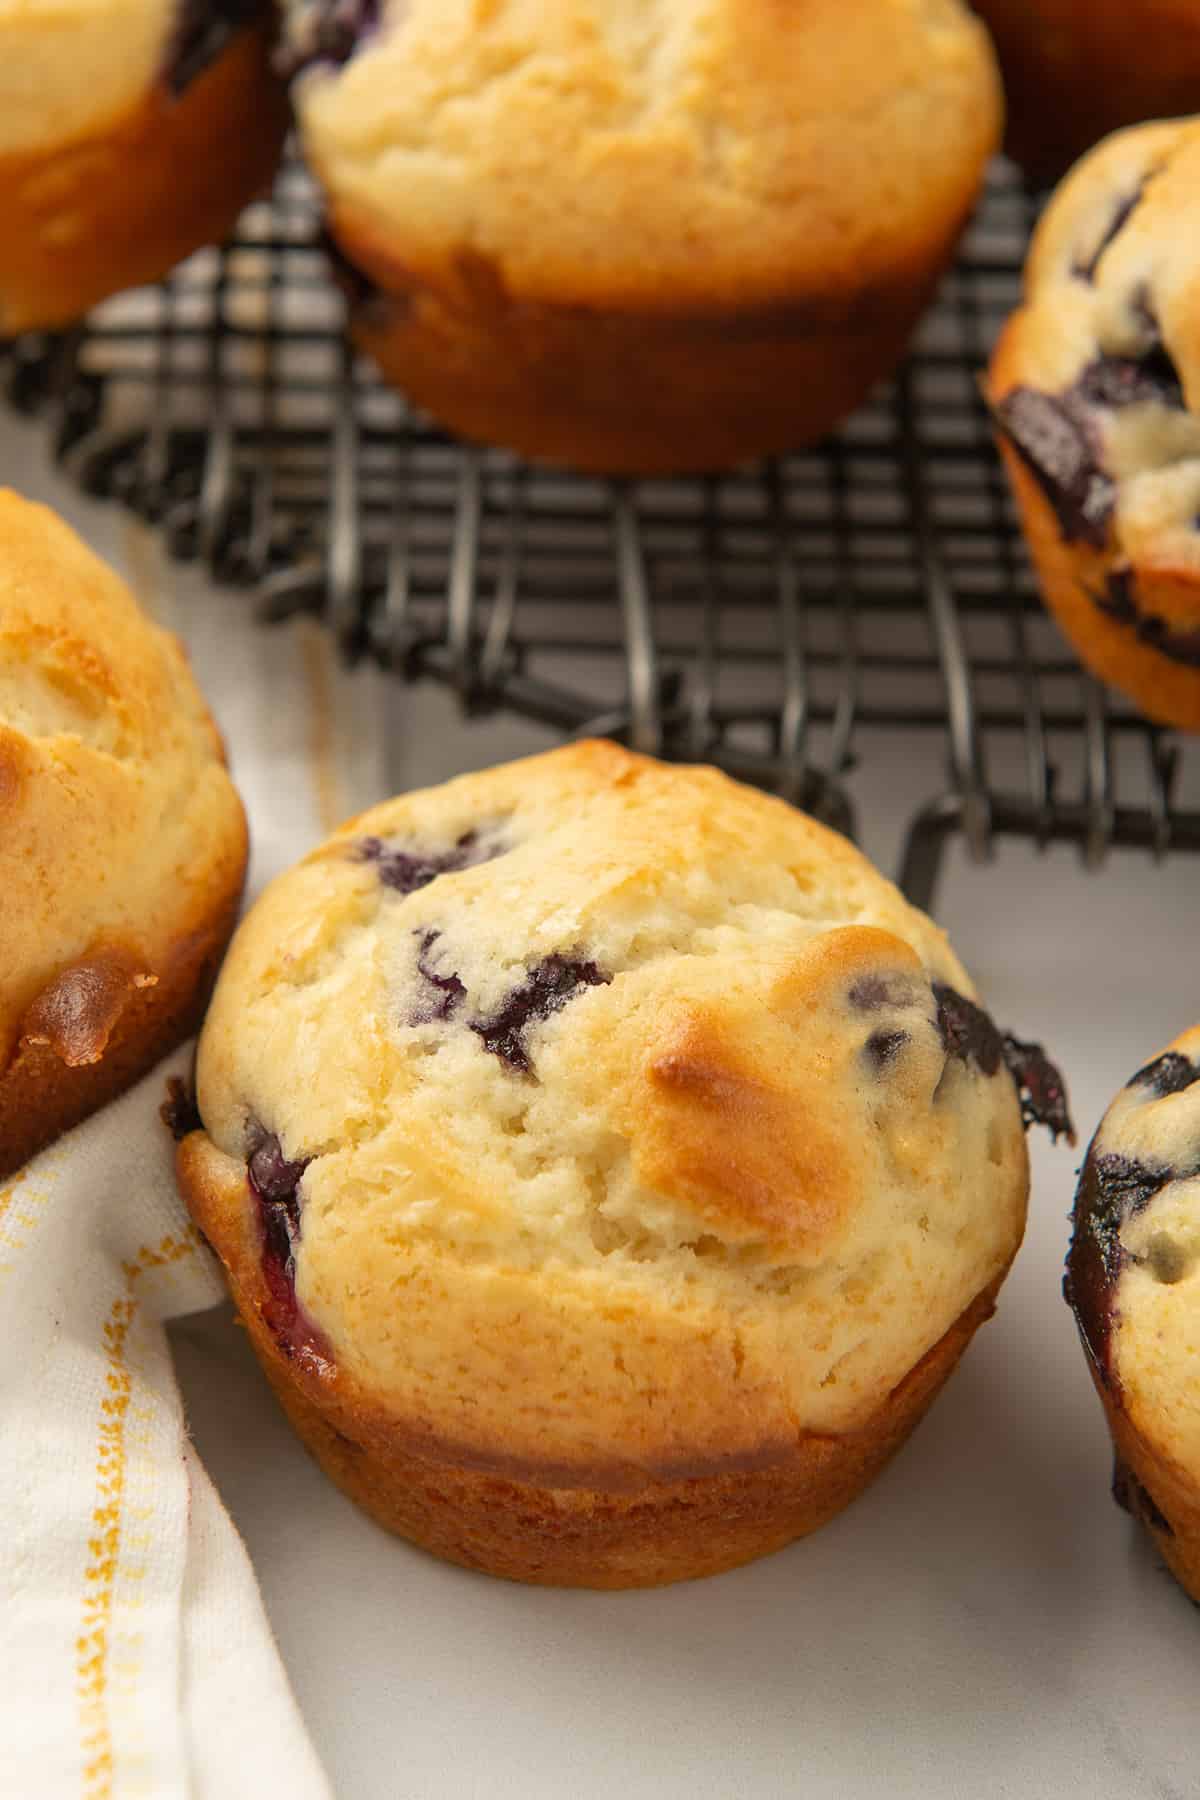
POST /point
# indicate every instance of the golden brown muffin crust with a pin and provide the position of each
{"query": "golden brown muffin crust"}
(124, 844)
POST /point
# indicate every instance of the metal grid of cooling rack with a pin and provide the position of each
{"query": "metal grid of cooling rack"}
(775, 621)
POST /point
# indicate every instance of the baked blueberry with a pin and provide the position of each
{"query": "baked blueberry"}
(1170, 1073)
(547, 988)
(1133, 1282)
(1116, 381)
(1041, 1087)
(274, 1181)
(1060, 447)
(883, 1047)
(406, 869)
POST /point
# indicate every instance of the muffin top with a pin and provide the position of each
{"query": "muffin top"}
(650, 154)
(1096, 380)
(1133, 1273)
(594, 1091)
(74, 68)
(119, 821)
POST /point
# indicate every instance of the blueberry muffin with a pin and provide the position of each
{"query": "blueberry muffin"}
(131, 133)
(1133, 1280)
(608, 1164)
(641, 235)
(122, 841)
(1074, 70)
(1095, 390)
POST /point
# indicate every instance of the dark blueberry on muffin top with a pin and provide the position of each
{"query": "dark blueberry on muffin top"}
(549, 985)
(883, 1047)
(1116, 381)
(406, 870)
(966, 1030)
(1060, 449)
(1167, 1074)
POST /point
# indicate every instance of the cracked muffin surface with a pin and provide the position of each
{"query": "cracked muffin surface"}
(1095, 389)
(123, 846)
(599, 1124)
(1133, 1281)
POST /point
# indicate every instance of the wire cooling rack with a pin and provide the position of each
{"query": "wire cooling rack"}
(778, 621)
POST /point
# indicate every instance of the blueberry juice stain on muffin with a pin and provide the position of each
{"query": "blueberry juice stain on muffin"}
(1114, 1189)
(547, 988)
(274, 1181)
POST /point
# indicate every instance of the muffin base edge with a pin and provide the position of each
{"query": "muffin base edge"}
(509, 1524)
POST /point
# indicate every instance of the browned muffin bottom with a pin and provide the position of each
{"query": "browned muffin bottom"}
(608, 1526)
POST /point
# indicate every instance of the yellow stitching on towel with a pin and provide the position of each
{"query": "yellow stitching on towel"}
(21, 1203)
(104, 1546)
(6, 1194)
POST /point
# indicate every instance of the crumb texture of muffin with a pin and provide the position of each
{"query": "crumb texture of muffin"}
(131, 133)
(633, 234)
(123, 846)
(1133, 1280)
(608, 1163)
(1075, 70)
(1095, 389)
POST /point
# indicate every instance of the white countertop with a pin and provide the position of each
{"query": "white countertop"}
(984, 1622)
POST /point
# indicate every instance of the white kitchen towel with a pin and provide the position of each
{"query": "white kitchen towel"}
(135, 1655)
